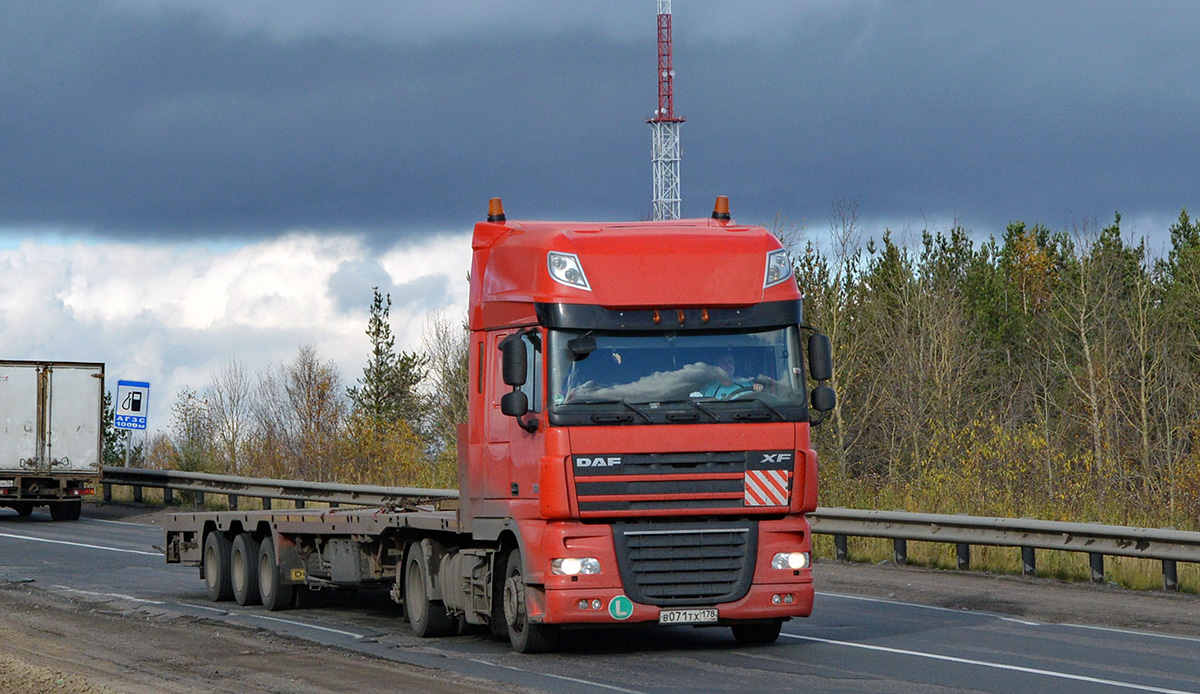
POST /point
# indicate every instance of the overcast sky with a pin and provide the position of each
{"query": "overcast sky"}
(184, 182)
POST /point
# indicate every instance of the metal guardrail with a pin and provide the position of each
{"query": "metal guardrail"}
(1097, 540)
(1166, 545)
(266, 489)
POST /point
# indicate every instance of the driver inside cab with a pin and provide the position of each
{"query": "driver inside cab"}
(727, 385)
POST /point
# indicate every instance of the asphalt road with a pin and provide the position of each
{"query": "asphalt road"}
(852, 643)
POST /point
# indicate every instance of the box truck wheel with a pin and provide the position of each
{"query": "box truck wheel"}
(275, 594)
(243, 569)
(65, 510)
(526, 637)
(757, 633)
(216, 566)
(426, 617)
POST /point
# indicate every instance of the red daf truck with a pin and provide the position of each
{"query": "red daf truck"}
(637, 450)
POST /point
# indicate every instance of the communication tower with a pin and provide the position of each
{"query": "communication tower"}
(665, 126)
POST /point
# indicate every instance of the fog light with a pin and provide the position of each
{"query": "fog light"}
(597, 604)
(789, 598)
(572, 566)
(790, 560)
(776, 599)
(583, 604)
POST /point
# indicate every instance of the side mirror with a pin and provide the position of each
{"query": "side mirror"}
(823, 399)
(514, 362)
(581, 346)
(515, 404)
(820, 357)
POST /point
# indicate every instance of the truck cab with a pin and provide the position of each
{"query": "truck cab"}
(639, 424)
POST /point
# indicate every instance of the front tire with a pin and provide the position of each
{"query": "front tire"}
(216, 567)
(525, 636)
(243, 569)
(428, 618)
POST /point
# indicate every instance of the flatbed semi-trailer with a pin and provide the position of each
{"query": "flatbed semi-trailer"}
(636, 451)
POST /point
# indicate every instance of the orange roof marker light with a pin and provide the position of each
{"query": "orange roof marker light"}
(721, 208)
(496, 210)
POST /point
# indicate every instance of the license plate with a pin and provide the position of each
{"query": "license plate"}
(700, 616)
(7, 483)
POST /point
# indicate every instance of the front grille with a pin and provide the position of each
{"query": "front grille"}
(642, 484)
(674, 564)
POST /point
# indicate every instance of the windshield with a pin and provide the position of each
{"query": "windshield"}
(598, 377)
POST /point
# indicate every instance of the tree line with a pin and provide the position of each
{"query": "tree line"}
(1045, 373)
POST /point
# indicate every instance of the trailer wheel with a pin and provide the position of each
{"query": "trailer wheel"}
(275, 594)
(428, 618)
(526, 637)
(243, 569)
(757, 633)
(65, 510)
(23, 510)
(216, 567)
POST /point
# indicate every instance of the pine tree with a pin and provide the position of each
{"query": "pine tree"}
(387, 392)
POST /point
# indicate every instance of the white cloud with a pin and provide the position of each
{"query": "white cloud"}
(173, 314)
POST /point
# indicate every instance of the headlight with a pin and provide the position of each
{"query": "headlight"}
(779, 268)
(573, 567)
(566, 269)
(790, 560)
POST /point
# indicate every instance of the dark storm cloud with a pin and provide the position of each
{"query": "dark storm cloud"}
(176, 124)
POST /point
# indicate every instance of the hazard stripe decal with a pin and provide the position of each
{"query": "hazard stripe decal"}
(767, 487)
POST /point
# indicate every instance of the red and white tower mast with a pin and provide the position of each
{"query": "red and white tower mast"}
(665, 126)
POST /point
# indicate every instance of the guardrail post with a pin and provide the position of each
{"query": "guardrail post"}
(107, 492)
(334, 504)
(266, 503)
(137, 494)
(233, 501)
(1028, 562)
(964, 556)
(199, 499)
(168, 496)
(1170, 575)
(299, 503)
(1096, 561)
(900, 551)
(840, 548)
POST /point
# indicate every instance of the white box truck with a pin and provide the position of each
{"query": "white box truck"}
(51, 435)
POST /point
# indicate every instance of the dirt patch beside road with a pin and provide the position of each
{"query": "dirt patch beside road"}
(56, 644)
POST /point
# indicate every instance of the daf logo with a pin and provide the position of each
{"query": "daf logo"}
(776, 457)
(609, 461)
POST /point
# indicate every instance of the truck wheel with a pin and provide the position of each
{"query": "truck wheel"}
(23, 510)
(275, 594)
(243, 569)
(216, 567)
(427, 617)
(65, 510)
(526, 637)
(757, 633)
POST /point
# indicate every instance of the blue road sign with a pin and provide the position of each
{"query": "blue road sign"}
(133, 402)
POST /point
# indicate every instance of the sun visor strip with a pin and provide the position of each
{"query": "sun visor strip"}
(772, 314)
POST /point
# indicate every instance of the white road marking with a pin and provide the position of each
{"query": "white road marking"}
(81, 544)
(112, 522)
(987, 664)
(300, 624)
(929, 607)
(119, 596)
(558, 677)
(1131, 632)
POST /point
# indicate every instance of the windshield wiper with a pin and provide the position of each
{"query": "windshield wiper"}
(630, 407)
(712, 415)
